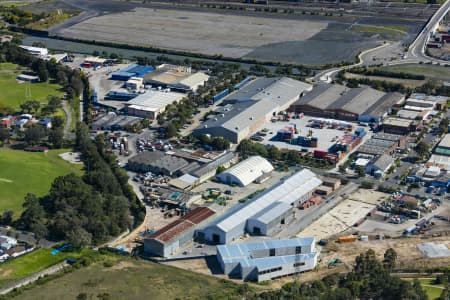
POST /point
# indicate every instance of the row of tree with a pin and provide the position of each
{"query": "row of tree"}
(385, 73)
(291, 157)
(84, 210)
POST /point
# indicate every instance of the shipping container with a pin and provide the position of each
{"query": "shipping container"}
(347, 239)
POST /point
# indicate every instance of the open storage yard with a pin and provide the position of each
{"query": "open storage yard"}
(296, 39)
(345, 214)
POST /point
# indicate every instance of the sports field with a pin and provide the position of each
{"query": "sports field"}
(13, 93)
(22, 172)
(433, 290)
(135, 279)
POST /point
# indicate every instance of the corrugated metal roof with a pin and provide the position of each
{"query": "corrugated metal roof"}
(272, 212)
(445, 142)
(248, 170)
(176, 228)
(322, 95)
(286, 191)
(156, 99)
(245, 252)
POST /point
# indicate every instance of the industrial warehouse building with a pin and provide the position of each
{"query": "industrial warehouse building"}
(268, 259)
(150, 104)
(177, 78)
(248, 109)
(362, 104)
(264, 214)
(132, 70)
(247, 171)
(156, 162)
(168, 239)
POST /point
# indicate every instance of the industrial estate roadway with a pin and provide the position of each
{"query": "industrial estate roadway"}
(415, 54)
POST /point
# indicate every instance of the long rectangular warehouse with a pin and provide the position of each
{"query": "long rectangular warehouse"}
(293, 191)
(362, 104)
(171, 237)
(252, 106)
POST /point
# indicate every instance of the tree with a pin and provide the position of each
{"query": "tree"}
(79, 237)
(57, 122)
(33, 212)
(220, 169)
(56, 137)
(366, 184)
(171, 130)
(34, 134)
(7, 217)
(4, 134)
(422, 149)
(53, 103)
(390, 256)
(360, 171)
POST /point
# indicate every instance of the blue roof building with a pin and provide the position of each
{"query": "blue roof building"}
(132, 70)
(268, 259)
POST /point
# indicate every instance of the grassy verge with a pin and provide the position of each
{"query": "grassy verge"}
(22, 172)
(135, 279)
(34, 262)
(406, 82)
(430, 71)
(385, 31)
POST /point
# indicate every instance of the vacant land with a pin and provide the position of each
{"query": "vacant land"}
(13, 93)
(134, 279)
(210, 33)
(411, 83)
(430, 71)
(33, 262)
(25, 172)
(390, 32)
(294, 38)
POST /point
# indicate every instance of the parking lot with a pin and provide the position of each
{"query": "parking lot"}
(326, 136)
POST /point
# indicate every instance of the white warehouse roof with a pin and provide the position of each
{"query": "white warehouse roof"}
(247, 171)
(155, 100)
(288, 191)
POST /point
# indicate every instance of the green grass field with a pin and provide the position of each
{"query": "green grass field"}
(393, 32)
(13, 93)
(433, 290)
(134, 279)
(33, 262)
(22, 172)
(430, 71)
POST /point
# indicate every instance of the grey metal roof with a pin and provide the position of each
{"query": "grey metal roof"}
(159, 160)
(357, 100)
(379, 143)
(383, 162)
(382, 106)
(387, 136)
(272, 212)
(322, 95)
(223, 159)
(259, 98)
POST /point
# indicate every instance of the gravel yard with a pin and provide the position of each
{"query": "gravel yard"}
(210, 33)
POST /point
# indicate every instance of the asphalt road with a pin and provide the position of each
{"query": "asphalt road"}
(417, 49)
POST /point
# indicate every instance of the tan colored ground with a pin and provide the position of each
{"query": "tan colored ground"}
(338, 220)
(209, 33)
